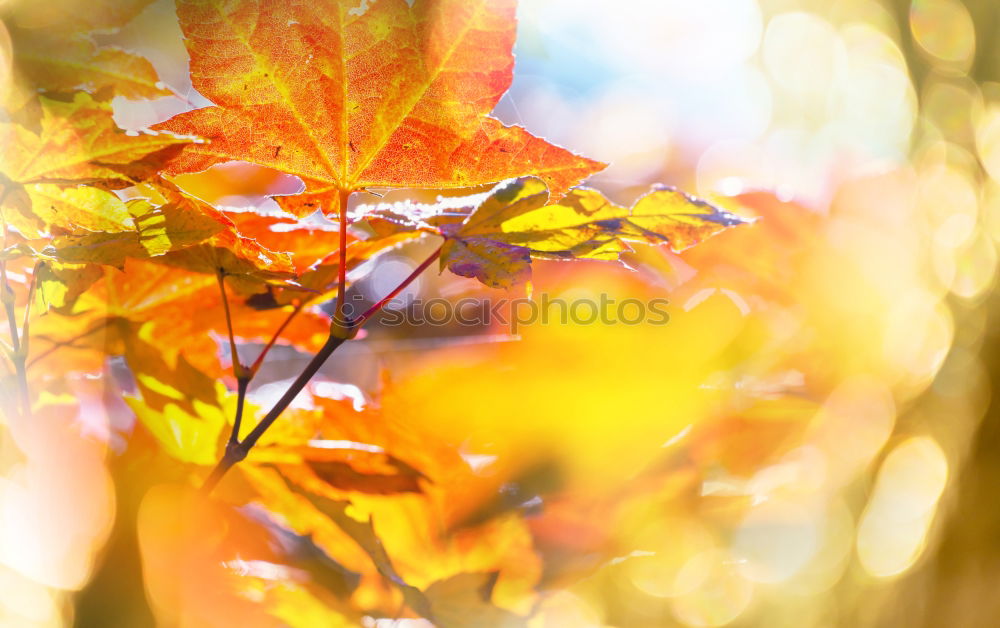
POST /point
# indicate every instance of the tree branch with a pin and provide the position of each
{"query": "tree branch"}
(240, 449)
(18, 342)
(237, 450)
(240, 372)
(21, 359)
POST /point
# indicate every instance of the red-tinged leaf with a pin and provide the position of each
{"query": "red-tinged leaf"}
(496, 264)
(306, 243)
(389, 94)
(183, 311)
(321, 280)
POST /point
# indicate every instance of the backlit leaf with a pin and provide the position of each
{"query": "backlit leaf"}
(463, 601)
(59, 285)
(388, 94)
(190, 435)
(54, 63)
(495, 239)
(78, 208)
(156, 231)
(78, 142)
(515, 223)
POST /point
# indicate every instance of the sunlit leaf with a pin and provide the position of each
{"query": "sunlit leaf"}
(495, 239)
(155, 231)
(59, 285)
(390, 94)
(78, 208)
(54, 63)
(79, 142)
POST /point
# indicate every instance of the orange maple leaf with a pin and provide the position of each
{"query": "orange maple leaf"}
(348, 97)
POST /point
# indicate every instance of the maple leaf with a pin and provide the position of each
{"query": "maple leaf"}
(177, 230)
(182, 310)
(496, 239)
(189, 434)
(150, 231)
(78, 143)
(59, 285)
(55, 52)
(321, 280)
(295, 582)
(345, 97)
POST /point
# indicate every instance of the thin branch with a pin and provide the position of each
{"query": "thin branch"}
(241, 396)
(17, 356)
(242, 374)
(6, 293)
(9, 305)
(238, 452)
(21, 358)
(234, 354)
(26, 321)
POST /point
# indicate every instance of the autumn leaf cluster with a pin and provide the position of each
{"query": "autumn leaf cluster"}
(340, 510)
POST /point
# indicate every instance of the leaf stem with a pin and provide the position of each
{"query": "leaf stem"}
(345, 196)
